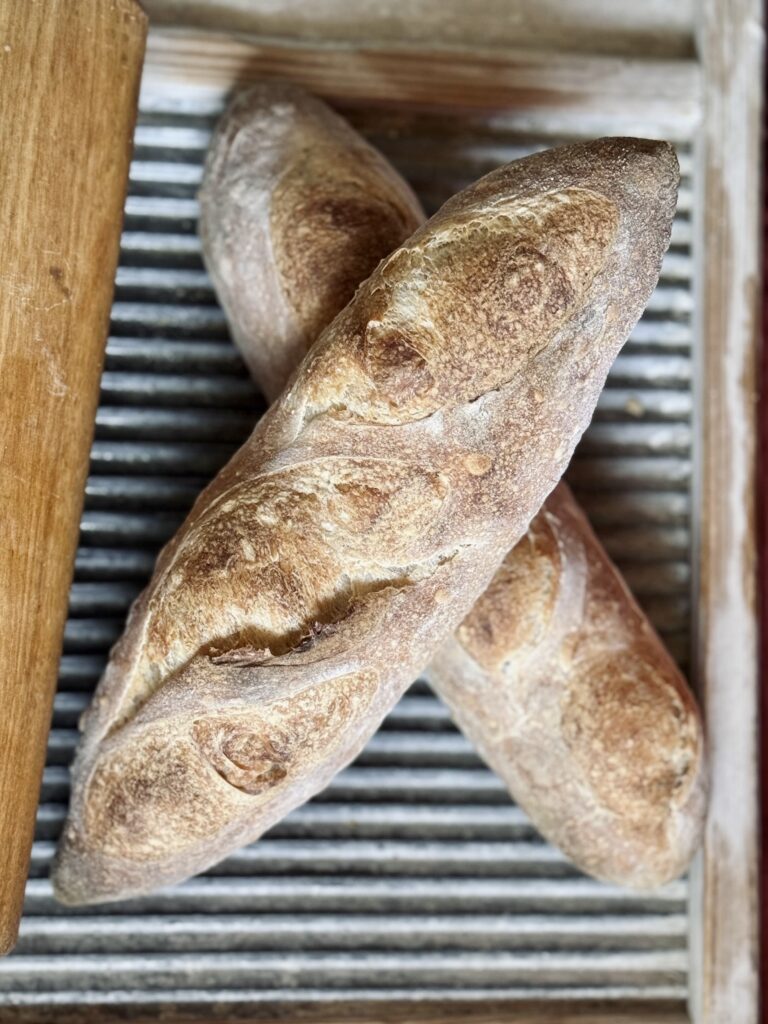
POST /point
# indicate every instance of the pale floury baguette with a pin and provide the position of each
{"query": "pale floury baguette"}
(314, 578)
(556, 675)
(299, 230)
(569, 695)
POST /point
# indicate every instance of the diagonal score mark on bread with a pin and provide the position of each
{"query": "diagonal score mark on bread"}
(207, 760)
(232, 547)
(556, 675)
(534, 261)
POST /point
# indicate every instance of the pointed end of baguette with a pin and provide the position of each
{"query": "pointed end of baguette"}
(75, 880)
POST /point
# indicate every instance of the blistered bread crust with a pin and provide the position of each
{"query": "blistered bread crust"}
(567, 692)
(367, 512)
(621, 725)
(296, 209)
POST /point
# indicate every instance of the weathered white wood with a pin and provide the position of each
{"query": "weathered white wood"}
(526, 89)
(654, 27)
(724, 983)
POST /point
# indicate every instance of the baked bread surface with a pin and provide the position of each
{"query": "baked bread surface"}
(317, 574)
(555, 675)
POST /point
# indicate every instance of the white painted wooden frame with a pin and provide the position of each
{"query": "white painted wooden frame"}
(728, 212)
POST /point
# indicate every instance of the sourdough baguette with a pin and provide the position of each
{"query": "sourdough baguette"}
(569, 695)
(289, 247)
(555, 675)
(315, 576)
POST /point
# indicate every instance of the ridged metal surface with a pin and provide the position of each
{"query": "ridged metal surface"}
(412, 875)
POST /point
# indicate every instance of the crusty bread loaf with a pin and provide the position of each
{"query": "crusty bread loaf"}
(556, 675)
(570, 696)
(307, 201)
(315, 576)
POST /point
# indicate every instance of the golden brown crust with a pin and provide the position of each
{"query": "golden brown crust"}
(585, 717)
(296, 209)
(532, 577)
(273, 591)
(336, 234)
(628, 728)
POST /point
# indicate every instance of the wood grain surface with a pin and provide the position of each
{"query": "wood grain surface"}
(70, 75)
(457, 1011)
(724, 907)
(536, 90)
(654, 28)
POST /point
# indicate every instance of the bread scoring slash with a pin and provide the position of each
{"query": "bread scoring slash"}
(317, 574)
(296, 210)
(556, 675)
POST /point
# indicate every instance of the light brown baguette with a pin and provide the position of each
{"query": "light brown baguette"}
(569, 695)
(556, 675)
(299, 231)
(315, 576)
